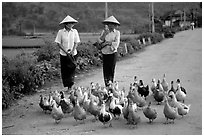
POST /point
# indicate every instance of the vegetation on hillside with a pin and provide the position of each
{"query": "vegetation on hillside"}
(18, 17)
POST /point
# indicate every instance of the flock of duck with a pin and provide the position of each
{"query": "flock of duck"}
(110, 103)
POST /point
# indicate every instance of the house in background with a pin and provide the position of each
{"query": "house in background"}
(176, 18)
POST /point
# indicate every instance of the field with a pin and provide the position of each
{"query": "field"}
(13, 45)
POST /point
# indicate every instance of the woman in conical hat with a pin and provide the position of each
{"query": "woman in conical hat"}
(67, 39)
(110, 39)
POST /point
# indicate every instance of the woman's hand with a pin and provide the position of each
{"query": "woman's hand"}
(72, 52)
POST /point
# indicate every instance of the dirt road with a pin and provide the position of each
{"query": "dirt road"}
(180, 57)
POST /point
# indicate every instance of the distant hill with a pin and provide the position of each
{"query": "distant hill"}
(45, 16)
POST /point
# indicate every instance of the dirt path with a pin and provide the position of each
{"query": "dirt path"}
(180, 57)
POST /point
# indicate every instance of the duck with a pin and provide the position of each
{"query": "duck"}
(150, 113)
(159, 94)
(182, 88)
(136, 98)
(45, 104)
(94, 89)
(169, 112)
(93, 109)
(86, 101)
(57, 113)
(164, 83)
(72, 97)
(67, 106)
(133, 117)
(172, 88)
(125, 109)
(79, 95)
(93, 97)
(114, 108)
(180, 95)
(174, 103)
(159, 86)
(56, 96)
(113, 88)
(184, 110)
(116, 85)
(153, 86)
(143, 90)
(122, 97)
(104, 116)
(136, 82)
(79, 113)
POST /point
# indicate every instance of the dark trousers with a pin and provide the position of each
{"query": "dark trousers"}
(67, 70)
(109, 62)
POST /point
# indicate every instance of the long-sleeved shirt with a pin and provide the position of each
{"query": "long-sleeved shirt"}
(67, 39)
(114, 38)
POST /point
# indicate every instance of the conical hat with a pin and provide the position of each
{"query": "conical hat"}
(68, 19)
(111, 19)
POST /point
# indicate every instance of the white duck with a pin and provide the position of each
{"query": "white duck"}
(175, 103)
(56, 96)
(180, 95)
(164, 83)
(184, 110)
(182, 88)
(79, 94)
(116, 85)
(86, 101)
(136, 82)
(153, 86)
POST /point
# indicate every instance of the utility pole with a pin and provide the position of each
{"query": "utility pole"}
(171, 16)
(106, 10)
(150, 18)
(153, 28)
(106, 14)
(184, 16)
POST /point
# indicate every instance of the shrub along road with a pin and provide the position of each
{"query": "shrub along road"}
(179, 57)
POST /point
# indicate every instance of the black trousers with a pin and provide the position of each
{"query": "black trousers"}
(109, 63)
(67, 70)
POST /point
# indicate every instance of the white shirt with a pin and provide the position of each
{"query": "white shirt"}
(114, 38)
(67, 39)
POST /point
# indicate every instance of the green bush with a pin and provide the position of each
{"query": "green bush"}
(47, 52)
(23, 75)
(155, 37)
(88, 55)
(132, 41)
